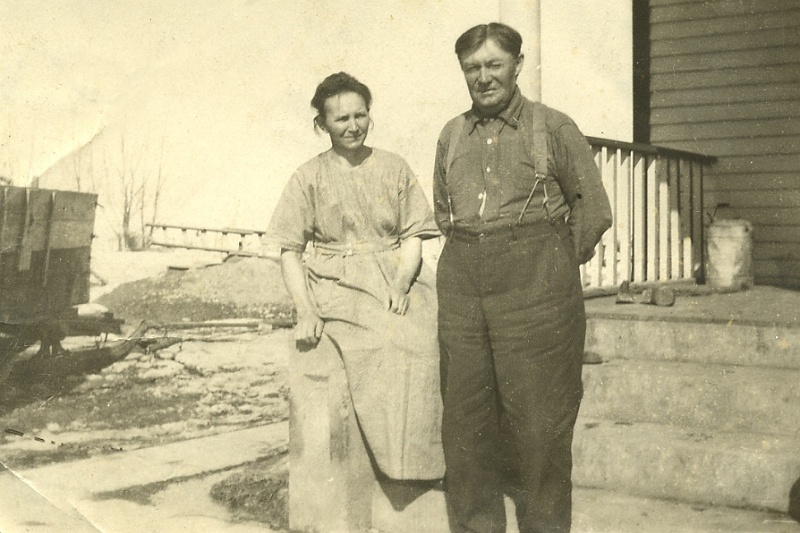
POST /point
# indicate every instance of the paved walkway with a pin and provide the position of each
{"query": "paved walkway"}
(63, 497)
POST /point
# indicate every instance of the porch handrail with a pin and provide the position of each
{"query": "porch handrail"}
(652, 149)
(656, 196)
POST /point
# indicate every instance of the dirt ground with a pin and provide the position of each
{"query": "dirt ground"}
(201, 381)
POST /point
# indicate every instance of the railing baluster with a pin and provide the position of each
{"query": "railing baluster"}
(674, 220)
(639, 218)
(622, 220)
(607, 250)
(662, 172)
(653, 234)
(697, 208)
(685, 215)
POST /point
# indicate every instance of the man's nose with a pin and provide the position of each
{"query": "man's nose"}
(483, 75)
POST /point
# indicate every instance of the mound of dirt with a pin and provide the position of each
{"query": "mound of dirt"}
(236, 288)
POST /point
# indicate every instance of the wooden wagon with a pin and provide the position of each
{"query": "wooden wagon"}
(45, 253)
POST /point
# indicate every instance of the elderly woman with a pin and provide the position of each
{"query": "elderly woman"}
(360, 216)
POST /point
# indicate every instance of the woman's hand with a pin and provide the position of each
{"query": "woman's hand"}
(308, 329)
(396, 299)
(309, 325)
(409, 258)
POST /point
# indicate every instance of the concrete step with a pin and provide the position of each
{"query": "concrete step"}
(709, 396)
(596, 511)
(693, 340)
(658, 461)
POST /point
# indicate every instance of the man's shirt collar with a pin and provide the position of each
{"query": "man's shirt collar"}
(510, 115)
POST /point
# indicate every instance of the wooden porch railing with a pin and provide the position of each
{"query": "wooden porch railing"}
(656, 196)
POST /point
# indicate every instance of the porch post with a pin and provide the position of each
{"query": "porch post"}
(525, 17)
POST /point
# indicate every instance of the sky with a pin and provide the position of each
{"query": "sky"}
(214, 96)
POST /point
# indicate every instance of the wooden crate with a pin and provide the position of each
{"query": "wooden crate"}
(45, 251)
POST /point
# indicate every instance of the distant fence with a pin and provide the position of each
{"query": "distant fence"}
(232, 241)
(656, 196)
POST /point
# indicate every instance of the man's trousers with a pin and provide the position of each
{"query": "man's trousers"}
(512, 328)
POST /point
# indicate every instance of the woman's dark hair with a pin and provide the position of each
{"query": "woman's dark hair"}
(339, 83)
(506, 38)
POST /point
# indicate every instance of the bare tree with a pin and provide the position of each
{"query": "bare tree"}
(129, 195)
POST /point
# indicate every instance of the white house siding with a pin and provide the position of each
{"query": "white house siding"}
(726, 82)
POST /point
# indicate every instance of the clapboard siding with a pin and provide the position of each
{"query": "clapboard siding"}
(753, 164)
(728, 112)
(725, 81)
(764, 56)
(768, 251)
(771, 216)
(722, 43)
(691, 10)
(778, 234)
(760, 198)
(781, 17)
(732, 129)
(753, 148)
(753, 75)
(778, 271)
(742, 93)
(779, 183)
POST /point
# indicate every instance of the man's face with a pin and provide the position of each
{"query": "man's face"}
(491, 75)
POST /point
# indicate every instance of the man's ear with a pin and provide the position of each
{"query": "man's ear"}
(520, 61)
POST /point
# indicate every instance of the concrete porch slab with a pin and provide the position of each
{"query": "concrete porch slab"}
(760, 305)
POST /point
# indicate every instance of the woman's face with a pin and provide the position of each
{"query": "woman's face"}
(346, 120)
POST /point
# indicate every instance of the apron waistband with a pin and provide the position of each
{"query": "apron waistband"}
(356, 248)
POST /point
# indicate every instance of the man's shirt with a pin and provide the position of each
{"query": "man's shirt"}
(492, 173)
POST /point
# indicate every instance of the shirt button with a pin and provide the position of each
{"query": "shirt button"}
(488, 141)
(488, 169)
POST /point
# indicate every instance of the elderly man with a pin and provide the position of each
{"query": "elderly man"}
(519, 198)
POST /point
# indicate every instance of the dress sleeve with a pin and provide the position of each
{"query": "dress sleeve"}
(415, 217)
(292, 223)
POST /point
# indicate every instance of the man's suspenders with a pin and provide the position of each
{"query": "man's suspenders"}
(538, 152)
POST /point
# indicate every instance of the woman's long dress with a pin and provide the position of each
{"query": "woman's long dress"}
(353, 221)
